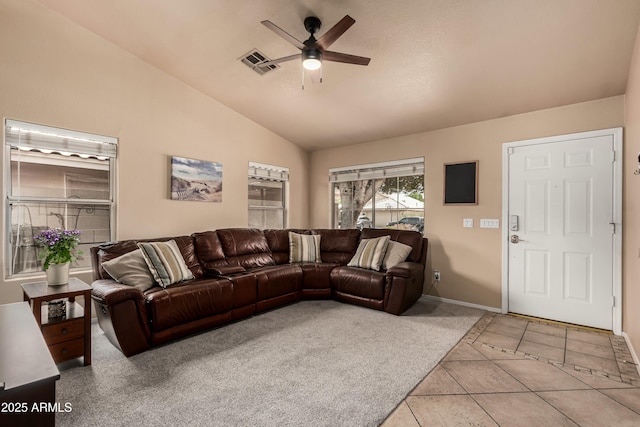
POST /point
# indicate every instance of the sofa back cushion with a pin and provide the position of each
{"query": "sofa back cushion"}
(109, 251)
(188, 251)
(246, 247)
(106, 252)
(278, 241)
(304, 248)
(338, 246)
(209, 250)
(409, 238)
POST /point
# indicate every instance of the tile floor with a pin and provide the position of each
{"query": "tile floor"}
(512, 371)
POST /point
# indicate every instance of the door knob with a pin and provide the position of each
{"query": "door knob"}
(515, 238)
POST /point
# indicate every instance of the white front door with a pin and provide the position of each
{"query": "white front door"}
(560, 227)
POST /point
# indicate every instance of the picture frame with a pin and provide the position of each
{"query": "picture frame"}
(461, 183)
(195, 180)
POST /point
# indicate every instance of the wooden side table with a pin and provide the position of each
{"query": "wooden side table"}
(70, 336)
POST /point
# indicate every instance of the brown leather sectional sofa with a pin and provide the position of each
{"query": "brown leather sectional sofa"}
(240, 272)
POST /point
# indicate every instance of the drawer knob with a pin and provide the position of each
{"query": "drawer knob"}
(64, 351)
(64, 331)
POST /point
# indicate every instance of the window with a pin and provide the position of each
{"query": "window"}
(56, 178)
(267, 196)
(380, 195)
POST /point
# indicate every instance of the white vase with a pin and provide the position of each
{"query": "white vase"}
(58, 274)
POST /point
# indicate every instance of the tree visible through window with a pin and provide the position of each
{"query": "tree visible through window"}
(391, 196)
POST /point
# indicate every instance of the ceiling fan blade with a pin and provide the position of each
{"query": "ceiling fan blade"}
(282, 33)
(336, 31)
(279, 60)
(328, 55)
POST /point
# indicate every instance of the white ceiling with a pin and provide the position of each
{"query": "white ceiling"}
(434, 63)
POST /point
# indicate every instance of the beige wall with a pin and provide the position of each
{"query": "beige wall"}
(631, 206)
(56, 73)
(469, 260)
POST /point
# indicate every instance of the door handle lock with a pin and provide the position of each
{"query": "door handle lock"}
(515, 238)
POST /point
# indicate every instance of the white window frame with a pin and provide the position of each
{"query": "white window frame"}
(267, 172)
(47, 139)
(372, 171)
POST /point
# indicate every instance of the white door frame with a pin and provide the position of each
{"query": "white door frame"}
(616, 133)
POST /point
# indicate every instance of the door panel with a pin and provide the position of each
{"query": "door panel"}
(560, 266)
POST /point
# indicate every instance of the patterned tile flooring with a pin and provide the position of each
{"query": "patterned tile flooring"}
(514, 371)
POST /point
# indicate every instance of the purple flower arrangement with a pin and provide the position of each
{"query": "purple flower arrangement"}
(58, 246)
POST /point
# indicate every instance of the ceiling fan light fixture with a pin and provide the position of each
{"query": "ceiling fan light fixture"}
(311, 59)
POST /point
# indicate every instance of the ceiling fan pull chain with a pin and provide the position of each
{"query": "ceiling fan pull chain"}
(302, 78)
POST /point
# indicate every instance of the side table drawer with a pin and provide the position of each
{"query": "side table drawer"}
(63, 331)
(67, 350)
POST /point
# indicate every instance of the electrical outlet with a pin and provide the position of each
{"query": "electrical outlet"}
(436, 275)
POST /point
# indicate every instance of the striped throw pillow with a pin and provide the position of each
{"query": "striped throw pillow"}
(370, 253)
(304, 247)
(165, 262)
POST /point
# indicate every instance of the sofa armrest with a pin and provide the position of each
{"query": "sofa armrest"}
(122, 315)
(403, 287)
(406, 269)
(109, 292)
(225, 270)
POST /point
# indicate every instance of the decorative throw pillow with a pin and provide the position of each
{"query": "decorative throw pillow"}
(396, 253)
(370, 253)
(165, 262)
(304, 247)
(130, 269)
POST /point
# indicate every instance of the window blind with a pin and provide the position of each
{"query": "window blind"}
(414, 166)
(45, 138)
(268, 172)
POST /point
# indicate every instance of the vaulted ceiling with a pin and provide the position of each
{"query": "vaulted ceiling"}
(434, 63)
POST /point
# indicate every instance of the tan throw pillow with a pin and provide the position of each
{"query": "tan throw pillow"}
(130, 269)
(304, 247)
(370, 253)
(165, 262)
(396, 253)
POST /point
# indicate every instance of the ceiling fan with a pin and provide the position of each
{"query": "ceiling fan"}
(313, 51)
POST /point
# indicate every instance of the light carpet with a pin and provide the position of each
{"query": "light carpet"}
(312, 363)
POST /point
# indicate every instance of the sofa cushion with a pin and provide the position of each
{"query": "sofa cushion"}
(109, 251)
(396, 253)
(408, 237)
(208, 249)
(165, 262)
(130, 269)
(278, 241)
(359, 282)
(304, 248)
(278, 280)
(338, 246)
(316, 275)
(188, 301)
(370, 253)
(246, 247)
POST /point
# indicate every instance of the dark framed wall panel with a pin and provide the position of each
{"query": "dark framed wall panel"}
(461, 183)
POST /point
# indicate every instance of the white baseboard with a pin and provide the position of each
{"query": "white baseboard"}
(466, 304)
(633, 352)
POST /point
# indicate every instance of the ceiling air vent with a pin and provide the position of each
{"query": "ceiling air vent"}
(255, 57)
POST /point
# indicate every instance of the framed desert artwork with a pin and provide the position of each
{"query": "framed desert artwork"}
(196, 180)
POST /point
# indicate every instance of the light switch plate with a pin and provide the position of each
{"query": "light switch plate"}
(467, 223)
(489, 223)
